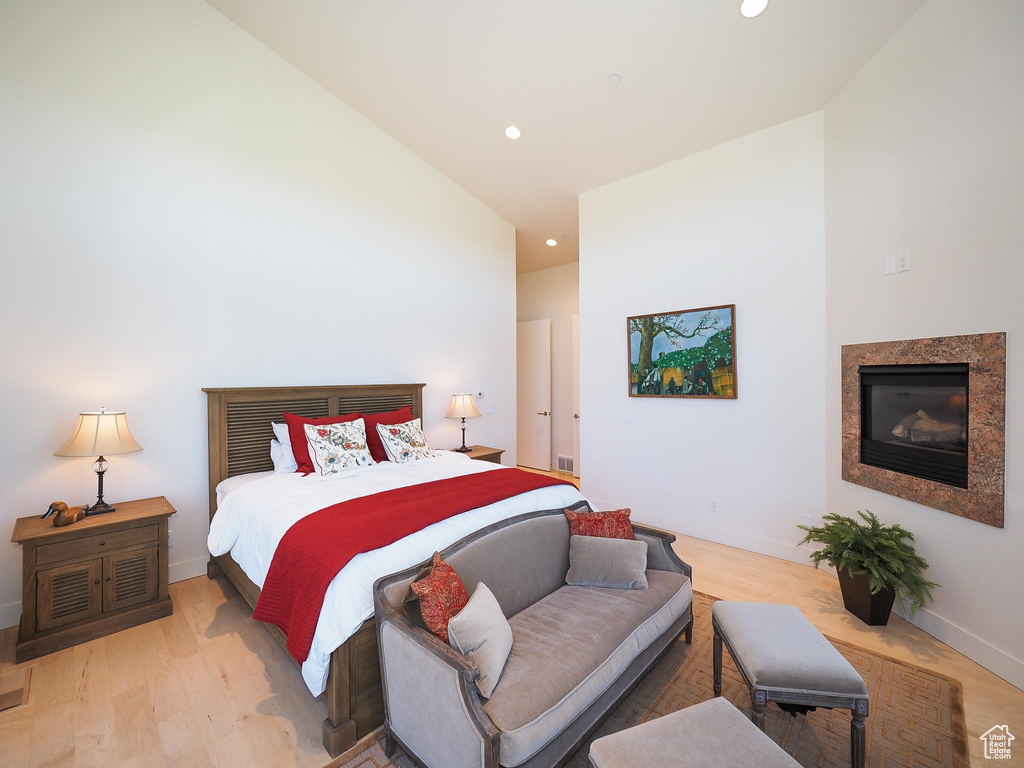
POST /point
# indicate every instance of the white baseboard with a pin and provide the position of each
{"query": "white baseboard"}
(187, 569)
(996, 660)
(10, 613)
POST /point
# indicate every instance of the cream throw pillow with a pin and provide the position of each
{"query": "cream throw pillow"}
(481, 632)
(338, 448)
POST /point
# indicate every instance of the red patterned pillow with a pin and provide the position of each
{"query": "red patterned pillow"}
(607, 525)
(442, 595)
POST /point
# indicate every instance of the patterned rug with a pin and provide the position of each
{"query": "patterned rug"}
(916, 720)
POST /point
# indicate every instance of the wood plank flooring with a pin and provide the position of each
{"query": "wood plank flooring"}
(208, 687)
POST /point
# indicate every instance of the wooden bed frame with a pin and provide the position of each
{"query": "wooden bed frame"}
(240, 434)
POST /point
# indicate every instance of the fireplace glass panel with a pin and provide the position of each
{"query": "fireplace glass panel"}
(923, 416)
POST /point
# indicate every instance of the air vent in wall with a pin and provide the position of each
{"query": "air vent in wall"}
(565, 463)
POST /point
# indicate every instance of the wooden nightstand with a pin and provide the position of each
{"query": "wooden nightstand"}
(101, 575)
(483, 453)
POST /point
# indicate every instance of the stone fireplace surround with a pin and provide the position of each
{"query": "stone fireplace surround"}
(985, 353)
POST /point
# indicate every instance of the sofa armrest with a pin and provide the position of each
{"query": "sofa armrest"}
(660, 555)
(432, 707)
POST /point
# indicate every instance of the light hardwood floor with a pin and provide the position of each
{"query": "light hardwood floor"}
(207, 686)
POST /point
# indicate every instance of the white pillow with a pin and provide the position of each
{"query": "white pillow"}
(287, 461)
(338, 448)
(404, 443)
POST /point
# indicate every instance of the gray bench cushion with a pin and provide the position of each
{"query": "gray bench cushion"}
(707, 735)
(568, 648)
(779, 648)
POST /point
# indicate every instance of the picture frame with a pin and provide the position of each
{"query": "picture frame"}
(685, 354)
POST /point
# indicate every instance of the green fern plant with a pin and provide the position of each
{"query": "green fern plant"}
(884, 552)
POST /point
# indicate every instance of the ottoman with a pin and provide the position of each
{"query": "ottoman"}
(707, 735)
(783, 658)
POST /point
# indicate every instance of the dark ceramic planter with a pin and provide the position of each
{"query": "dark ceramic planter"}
(873, 610)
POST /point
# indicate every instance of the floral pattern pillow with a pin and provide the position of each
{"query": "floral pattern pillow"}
(404, 442)
(338, 448)
(607, 525)
(442, 595)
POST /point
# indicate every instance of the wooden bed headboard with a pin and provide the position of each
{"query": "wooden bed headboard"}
(239, 419)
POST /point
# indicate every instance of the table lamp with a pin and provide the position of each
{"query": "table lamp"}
(461, 407)
(102, 433)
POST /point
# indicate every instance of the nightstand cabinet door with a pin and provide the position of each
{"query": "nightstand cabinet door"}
(129, 578)
(68, 593)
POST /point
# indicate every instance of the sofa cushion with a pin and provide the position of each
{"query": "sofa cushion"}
(600, 562)
(481, 632)
(568, 648)
(779, 648)
(710, 734)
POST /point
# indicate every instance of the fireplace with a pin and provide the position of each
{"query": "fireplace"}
(924, 419)
(914, 420)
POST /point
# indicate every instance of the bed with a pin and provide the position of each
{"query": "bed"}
(348, 672)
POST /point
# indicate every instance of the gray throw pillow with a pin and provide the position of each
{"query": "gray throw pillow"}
(598, 562)
(481, 632)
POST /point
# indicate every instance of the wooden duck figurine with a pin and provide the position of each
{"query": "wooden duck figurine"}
(65, 515)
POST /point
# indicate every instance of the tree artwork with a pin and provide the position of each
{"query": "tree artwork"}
(680, 354)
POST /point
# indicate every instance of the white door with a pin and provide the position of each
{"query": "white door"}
(576, 395)
(533, 401)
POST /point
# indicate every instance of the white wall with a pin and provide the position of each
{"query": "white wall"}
(741, 223)
(554, 294)
(181, 208)
(923, 153)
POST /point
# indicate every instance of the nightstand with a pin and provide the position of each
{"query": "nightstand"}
(483, 453)
(98, 576)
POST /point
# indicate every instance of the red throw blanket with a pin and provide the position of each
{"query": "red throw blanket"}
(318, 546)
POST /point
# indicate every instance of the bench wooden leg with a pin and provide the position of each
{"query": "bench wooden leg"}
(858, 737)
(717, 648)
(389, 742)
(759, 702)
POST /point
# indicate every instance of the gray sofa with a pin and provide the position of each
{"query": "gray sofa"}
(577, 651)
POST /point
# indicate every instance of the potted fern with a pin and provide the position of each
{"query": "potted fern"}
(876, 564)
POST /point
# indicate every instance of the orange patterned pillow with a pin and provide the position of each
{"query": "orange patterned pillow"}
(607, 525)
(442, 595)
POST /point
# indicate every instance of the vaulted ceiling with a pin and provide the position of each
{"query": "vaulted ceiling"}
(446, 77)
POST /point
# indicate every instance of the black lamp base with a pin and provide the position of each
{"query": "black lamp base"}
(464, 448)
(100, 507)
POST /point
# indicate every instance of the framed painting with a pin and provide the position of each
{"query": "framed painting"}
(686, 354)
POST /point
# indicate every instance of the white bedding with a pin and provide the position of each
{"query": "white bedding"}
(252, 518)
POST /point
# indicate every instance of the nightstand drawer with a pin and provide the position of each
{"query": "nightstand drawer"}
(95, 545)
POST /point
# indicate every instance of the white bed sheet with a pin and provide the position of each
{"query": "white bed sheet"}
(253, 517)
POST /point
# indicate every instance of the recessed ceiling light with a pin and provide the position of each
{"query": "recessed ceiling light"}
(751, 8)
(551, 241)
(614, 79)
(513, 133)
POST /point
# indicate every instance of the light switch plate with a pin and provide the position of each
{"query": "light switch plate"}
(625, 416)
(890, 264)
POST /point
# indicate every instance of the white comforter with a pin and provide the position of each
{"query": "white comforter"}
(252, 519)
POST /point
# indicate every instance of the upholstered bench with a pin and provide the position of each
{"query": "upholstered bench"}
(784, 659)
(711, 734)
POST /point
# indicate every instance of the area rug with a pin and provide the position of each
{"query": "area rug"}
(916, 720)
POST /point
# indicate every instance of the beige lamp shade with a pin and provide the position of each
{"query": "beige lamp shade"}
(100, 433)
(462, 407)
